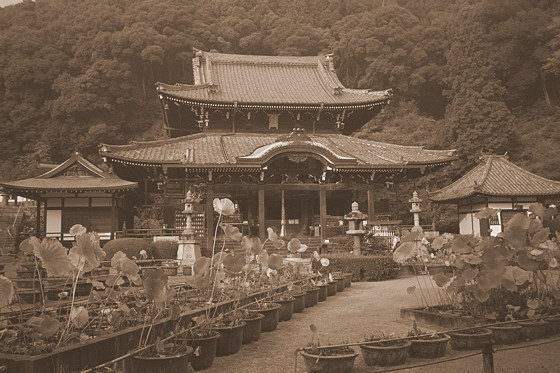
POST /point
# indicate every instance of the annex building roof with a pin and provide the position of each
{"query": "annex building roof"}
(76, 174)
(249, 81)
(243, 150)
(496, 176)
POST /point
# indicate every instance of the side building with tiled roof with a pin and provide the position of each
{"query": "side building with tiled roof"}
(496, 183)
(271, 134)
(76, 192)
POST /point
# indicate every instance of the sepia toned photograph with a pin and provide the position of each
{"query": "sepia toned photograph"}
(273, 186)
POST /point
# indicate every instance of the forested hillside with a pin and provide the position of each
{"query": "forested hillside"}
(476, 75)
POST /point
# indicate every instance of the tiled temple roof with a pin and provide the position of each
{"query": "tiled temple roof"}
(76, 174)
(496, 176)
(219, 150)
(245, 79)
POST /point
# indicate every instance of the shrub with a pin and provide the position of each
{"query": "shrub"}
(130, 246)
(363, 268)
(164, 249)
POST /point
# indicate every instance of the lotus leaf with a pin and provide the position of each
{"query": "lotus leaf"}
(480, 295)
(294, 245)
(533, 303)
(77, 229)
(6, 291)
(527, 263)
(79, 316)
(231, 232)
(518, 222)
(49, 326)
(411, 289)
(30, 245)
(263, 258)
(463, 244)
(412, 237)
(224, 206)
(201, 266)
(441, 279)
(471, 259)
(54, 257)
(509, 285)
(486, 213)
(488, 279)
(469, 273)
(275, 261)
(155, 282)
(86, 254)
(405, 251)
(540, 236)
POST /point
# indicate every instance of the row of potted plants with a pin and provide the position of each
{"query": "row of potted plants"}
(129, 310)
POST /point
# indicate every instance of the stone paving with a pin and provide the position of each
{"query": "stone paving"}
(365, 308)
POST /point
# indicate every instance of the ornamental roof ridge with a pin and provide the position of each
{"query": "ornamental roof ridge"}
(146, 143)
(258, 59)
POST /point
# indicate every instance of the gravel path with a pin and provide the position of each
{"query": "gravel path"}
(365, 308)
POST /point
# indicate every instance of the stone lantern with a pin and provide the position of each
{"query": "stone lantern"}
(416, 211)
(356, 227)
(187, 252)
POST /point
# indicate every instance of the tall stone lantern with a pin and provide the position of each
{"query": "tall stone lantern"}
(187, 252)
(356, 227)
(416, 211)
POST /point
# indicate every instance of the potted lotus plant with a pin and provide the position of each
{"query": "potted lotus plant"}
(319, 359)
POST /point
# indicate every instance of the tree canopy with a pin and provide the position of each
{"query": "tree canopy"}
(481, 76)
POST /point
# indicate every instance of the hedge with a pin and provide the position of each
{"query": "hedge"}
(164, 249)
(130, 246)
(363, 268)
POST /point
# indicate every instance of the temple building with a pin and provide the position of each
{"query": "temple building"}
(496, 183)
(272, 134)
(76, 192)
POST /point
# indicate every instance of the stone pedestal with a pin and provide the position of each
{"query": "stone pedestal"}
(187, 253)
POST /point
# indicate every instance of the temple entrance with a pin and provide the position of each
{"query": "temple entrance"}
(295, 218)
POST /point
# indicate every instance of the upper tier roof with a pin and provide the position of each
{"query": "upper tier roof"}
(76, 174)
(496, 176)
(245, 79)
(219, 150)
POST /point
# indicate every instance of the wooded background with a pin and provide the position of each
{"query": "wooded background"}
(481, 76)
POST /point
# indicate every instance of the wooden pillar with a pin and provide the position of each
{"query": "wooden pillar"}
(38, 222)
(45, 216)
(323, 213)
(113, 218)
(371, 204)
(262, 221)
(250, 208)
(209, 218)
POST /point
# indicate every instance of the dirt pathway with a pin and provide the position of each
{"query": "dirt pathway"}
(365, 308)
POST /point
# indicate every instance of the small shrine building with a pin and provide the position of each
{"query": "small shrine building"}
(76, 192)
(496, 183)
(272, 134)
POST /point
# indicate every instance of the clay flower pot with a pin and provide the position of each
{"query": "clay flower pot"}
(339, 284)
(534, 329)
(323, 290)
(470, 339)
(428, 346)
(385, 353)
(299, 302)
(271, 316)
(207, 345)
(311, 297)
(253, 325)
(161, 364)
(286, 310)
(506, 334)
(331, 288)
(333, 360)
(231, 339)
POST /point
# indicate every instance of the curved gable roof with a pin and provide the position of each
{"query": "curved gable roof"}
(248, 79)
(496, 176)
(76, 174)
(220, 150)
